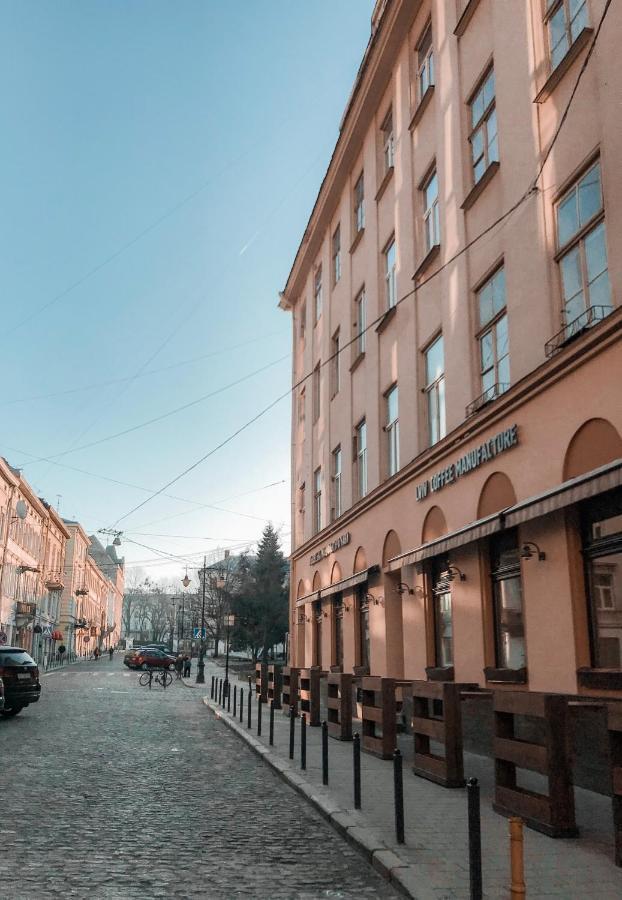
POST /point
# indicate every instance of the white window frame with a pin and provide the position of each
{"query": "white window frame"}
(573, 26)
(361, 321)
(359, 203)
(435, 398)
(336, 254)
(317, 402)
(317, 293)
(337, 472)
(361, 458)
(431, 223)
(425, 62)
(490, 326)
(392, 429)
(317, 500)
(390, 274)
(483, 123)
(335, 364)
(388, 142)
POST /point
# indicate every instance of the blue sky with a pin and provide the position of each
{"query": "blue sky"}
(114, 114)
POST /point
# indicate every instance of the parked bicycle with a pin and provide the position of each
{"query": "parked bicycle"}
(160, 676)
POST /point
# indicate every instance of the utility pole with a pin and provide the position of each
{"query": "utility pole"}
(201, 667)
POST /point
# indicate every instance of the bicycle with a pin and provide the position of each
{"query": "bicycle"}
(162, 677)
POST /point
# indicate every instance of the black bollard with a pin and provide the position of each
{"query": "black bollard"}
(303, 743)
(241, 703)
(398, 787)
(292, 731)
(235, 698)
(220, 691)
(211, 693)
(249, 713)
(259, 717)
(356, 752)
(324, 753)
(475, 840)
(228, 696)
(272, 723)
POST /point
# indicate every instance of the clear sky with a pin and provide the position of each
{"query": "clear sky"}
(159, 160)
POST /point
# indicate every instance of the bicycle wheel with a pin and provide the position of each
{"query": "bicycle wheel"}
(144, 678)
(167, 679)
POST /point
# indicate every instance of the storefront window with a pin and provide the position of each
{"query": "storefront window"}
(338, 612)
(441, 593)
(602, 539)
(317, 620)
(508, 601)
(363, 624)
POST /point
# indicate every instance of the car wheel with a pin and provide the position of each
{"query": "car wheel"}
(144, 667)
(13, 711)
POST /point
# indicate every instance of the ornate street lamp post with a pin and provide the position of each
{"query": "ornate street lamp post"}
(201, 667)
(229, 622)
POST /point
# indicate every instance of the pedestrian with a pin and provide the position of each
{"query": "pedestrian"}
(96, 654)
(187, 665)
(179, 664)
(111, 652)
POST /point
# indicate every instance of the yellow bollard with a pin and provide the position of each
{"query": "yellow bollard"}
(517, 870)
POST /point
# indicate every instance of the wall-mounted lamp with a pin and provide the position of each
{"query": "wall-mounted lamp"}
(527, 552)
(325, 615)
(452, 571)
(377, 601)
(346, 608)
(403, 588)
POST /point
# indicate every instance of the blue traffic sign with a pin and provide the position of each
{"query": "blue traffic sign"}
(196, 633)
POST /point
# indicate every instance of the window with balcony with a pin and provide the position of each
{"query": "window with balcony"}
(483, 138)
(361, 322)
(389, 274)
(317, 293)
(435, 390)
(425, 63)
(430, 212)
(392, 429)
(359, 204)
(317, 500)
(494, 351)
(336, 248)
(360, 442)
(335, 364)
(337, 502)
(565, 20)
(388, 143)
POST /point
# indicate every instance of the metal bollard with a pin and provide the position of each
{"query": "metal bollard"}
(292, 731)
(475, 840)
(272, 723)
(249, 713)
(241, 703)
(228, 696)
(324, 753)
(220, 691)
(398, 787)
(211, 693)
(517, 886)
(356, 753)
(303, 743)
(235, 698)
(259, 717)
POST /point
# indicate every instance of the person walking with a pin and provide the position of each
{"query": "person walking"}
(111, 652)
(179, 664)
(187, 666)
(96, 654)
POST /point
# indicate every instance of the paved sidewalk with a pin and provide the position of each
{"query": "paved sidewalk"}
(433, 863)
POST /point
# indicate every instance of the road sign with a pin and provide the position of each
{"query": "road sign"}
(3, 637)
(47, 631)
(196, 633)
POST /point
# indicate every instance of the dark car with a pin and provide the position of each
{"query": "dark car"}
(148, 658)
(20, 676)
(1, 695)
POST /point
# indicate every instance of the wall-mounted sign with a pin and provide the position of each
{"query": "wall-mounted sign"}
(501, 442)
(339, 542)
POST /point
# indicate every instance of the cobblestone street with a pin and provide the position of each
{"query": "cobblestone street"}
(110, 790)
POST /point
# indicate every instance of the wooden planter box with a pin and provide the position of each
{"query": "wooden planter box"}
(378, 714)
(261, 682)
(437, 717)
(339, 706)
(309, 695)
(289, 692)
(275, 685)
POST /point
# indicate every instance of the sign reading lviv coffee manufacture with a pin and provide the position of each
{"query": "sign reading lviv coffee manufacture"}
(341, 541)
(501, 442)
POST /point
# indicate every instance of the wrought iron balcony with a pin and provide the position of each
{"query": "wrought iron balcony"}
(569, 332)
(491, 393)
(81, 591)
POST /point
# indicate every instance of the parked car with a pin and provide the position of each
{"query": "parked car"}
(1, 695)
(20, 677)
(148, 658)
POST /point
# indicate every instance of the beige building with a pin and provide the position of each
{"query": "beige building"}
(457, 357)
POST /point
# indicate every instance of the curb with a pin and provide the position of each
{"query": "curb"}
(348, 822)
(59, 669)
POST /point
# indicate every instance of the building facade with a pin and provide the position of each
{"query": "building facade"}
(457, 357)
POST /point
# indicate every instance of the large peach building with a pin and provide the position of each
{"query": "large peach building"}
(457, 356)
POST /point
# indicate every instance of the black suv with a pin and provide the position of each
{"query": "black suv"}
(20, 675)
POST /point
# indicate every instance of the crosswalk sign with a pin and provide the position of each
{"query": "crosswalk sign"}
(196, 633)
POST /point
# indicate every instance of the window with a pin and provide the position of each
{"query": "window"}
(389, 274)
(337, 255)
(388, 145)
(602, 551)
(392, 429)
(435, 390)
(301, 505)
(303, 321)
(316, 393)
(483, 138)
(359, 204)
(425, 62)
(430, 214)
(443, 629)
(335, 370)
(338, 621)
(317, 292)
(566, 19)
(337, 508)
(583, 252)
(361, 322)
(317, 500)
(507, 596)
(494, 349)
(301, 407)
(362, 610)
(361, 457)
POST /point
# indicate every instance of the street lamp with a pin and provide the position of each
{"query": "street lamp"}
(201, 667)
(229, 622)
